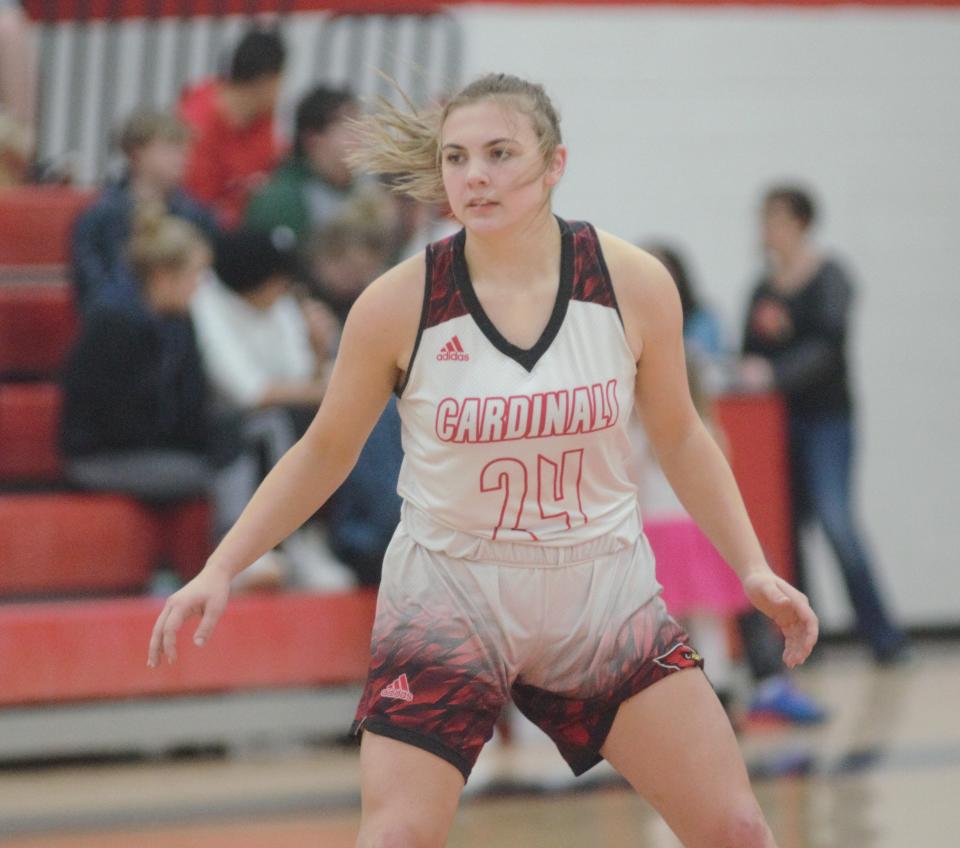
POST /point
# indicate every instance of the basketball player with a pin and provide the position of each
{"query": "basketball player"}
(518, 348)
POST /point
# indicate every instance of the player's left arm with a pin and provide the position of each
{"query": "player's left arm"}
(690, 458)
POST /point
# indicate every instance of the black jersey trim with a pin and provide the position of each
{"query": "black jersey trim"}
(526, 357)
(424, 311)
(606, 272)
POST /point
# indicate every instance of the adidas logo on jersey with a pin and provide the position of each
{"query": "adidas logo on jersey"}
(453, 350)
(399, 690)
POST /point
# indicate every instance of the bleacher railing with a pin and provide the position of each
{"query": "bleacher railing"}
(99, 59)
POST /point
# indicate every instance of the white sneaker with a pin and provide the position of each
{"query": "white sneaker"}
(315, 568)
(267, 574)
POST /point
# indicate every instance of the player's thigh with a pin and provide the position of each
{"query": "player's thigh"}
(408, 796)
(674, 744)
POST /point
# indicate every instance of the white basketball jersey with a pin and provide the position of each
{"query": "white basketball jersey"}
(512, 444)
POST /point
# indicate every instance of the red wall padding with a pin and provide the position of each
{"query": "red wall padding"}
(29, 432)
(756, 428)
(38, 324)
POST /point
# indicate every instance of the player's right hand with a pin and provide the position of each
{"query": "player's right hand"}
(205, 596)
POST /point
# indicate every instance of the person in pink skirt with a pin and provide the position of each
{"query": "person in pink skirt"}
(698, 586)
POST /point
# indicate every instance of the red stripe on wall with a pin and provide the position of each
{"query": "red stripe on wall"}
(78, 10)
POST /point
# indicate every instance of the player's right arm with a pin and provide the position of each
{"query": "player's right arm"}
(375, 349)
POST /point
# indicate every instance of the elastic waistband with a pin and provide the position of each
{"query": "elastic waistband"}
(430, 534)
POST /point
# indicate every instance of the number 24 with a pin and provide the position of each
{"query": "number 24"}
(558, 493)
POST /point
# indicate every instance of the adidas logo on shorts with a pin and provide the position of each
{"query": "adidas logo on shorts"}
(399, 690)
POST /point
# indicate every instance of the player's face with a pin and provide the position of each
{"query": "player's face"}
(493, 170)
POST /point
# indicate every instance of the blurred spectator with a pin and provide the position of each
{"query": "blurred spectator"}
(699, 588)
(260, 345)
(795, 342)
(135, 400)
(415, 225)
(346, 256)
(135, 396)
(137, 416)
(702, 334)
(350, 251)
(18, 68)
(267, 357)
(774, 695)
(155, 146)
(315, 184)
(365, 510)
(15, 151)
(235, 146)
(703, 592)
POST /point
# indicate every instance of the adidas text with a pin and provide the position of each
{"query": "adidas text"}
(399, 690)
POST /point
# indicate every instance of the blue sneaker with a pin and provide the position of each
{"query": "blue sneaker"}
(778, 698)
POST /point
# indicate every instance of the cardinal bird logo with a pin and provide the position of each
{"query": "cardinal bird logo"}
(678, 657)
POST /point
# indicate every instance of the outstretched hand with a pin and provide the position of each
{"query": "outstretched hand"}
(790, 611)
(206, 596)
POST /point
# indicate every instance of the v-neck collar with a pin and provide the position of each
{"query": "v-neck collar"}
(526, 357)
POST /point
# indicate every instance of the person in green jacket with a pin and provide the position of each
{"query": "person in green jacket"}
(315, 183)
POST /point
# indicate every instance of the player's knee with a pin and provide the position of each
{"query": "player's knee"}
(396, 834)
(743, 826)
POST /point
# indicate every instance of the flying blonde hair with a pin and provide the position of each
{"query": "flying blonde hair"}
(403, 145)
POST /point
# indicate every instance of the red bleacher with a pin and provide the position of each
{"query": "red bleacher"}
(35, 225)
(37, 325)
(53, 542)
(98, 649)
(58, 543)
(61, 543)
(29, 422)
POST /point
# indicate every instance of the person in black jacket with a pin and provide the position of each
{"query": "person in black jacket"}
(135, 398)
(795, 341)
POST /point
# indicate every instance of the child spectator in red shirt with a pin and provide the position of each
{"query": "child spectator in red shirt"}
(235, 146)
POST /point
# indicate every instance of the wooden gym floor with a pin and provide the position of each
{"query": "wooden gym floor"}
(884, 772)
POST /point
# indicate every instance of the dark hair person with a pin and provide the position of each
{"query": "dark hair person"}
(701, 329)
(260, 54)
(135, 398)
(234, 147)
(795, 341)
(315, 183)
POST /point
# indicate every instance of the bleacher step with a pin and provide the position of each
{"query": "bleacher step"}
(96, 650)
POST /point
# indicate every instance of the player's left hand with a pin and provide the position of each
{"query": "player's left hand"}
(789, 609)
